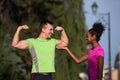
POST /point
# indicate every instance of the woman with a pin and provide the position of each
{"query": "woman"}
(95, 55)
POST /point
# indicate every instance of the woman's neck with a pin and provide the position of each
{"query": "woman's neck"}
(95, 44)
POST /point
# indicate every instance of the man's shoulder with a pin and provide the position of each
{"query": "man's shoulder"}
(31, 39)
(52, 39)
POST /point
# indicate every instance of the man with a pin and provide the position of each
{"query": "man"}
(42, 49)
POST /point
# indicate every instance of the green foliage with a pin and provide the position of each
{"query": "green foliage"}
(66, 13)
(11, 64)
(73, 22)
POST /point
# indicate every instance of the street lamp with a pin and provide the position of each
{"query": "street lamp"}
(94, 7)
(94, 10)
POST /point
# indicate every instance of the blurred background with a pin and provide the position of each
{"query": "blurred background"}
(76, 17)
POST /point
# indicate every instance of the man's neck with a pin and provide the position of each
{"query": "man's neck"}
(42, 36)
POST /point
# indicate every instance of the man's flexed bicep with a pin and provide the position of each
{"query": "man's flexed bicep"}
(20, 44)
(23, 44)
(63, 40)
(61, 44)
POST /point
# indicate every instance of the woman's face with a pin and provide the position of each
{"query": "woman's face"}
(90, 38)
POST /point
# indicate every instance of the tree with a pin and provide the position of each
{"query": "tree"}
(73, 21)
(12, 65)
(66, 13)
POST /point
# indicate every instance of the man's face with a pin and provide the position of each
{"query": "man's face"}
(48, 30)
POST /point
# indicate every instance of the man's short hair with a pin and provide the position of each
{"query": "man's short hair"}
(43, 23)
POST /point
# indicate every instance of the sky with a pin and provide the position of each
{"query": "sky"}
(105, 6)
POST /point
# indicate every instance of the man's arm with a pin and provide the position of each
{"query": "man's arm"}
(23, 44)
(64, 39)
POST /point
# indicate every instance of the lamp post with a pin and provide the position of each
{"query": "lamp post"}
(94, 10)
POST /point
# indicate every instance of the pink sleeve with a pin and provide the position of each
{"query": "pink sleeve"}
(100, 52)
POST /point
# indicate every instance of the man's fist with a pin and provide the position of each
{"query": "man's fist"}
(23, 27)
(58, 28)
